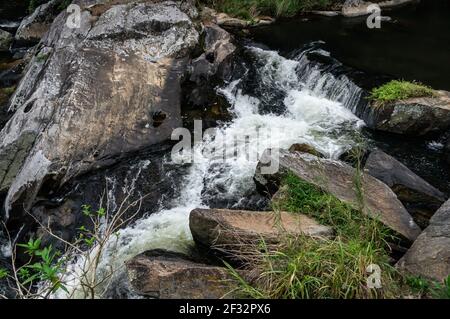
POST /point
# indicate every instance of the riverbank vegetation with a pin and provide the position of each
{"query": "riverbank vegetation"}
(399, 90)
(355, 263)
(305, 267)
(344, 267)
(248, 9)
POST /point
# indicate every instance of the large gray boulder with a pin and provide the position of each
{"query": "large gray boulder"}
(92, 94)
(420, 198)
(169, 275)
(429, 256)
(33, 27)
(227, 229)
(414, 116)
(337, 178)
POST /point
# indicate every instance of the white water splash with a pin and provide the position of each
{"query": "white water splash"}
(309, 117)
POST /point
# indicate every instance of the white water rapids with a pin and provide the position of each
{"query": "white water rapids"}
(316, 111)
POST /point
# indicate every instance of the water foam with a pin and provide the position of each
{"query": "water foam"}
(308, 117)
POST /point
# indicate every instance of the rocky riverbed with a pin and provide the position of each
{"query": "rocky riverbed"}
(88, 116)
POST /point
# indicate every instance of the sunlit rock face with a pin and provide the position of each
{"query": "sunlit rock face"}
(95, 92)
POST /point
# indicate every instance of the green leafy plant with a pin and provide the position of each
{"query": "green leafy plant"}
(3, 273)
(32, 247)
(86, 210)
(399, 90)
(47, 270)
(418, 284)
(43, 265)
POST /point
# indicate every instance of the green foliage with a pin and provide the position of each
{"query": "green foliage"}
(426, 287)
(418, 284)
(302, 197)
(249, 9)
(305, 267)
(87, 211)
(32, 247)
(399, 90)
(43, 265)
(441, 290)
(42, 57)
(3, 273)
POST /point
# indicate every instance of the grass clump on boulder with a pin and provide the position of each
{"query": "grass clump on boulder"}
(399, 90)
(303, 267)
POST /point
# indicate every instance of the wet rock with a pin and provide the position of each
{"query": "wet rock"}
(305, 148)
(337, 178)
(420, 198)
(169, 275)
(61, 220)
(211, 66)
(137, 185)
(5, 40)
(33, 27)
(228, 229)
(90, 95)
(355, 8)
(224, 20)
(227, 22)
(429, 256)
(262, 21)
(326, 13)
(415, 116)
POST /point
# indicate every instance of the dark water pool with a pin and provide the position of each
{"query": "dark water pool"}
(415, 45)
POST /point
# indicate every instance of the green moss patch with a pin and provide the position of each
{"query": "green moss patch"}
(400, 90)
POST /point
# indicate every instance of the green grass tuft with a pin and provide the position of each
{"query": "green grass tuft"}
(304, 267)
(400, 90)
(249, 9)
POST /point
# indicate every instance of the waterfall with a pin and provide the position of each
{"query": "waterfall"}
(289, 101)
(328, 80)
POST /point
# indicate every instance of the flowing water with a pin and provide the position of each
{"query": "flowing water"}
(287, 101)
(289, 90)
